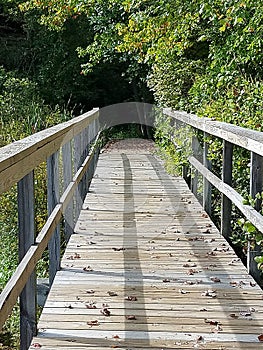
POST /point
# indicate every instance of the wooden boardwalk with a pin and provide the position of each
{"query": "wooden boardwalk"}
(147, 269)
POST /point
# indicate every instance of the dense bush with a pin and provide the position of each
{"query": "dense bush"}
(202, 56)
(22, 112)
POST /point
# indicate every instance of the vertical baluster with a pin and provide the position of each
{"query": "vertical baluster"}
(67, 177)
(256, 185)
(85, 142)
(226, 208)
(207, 188)
(53, 199)
(77, 163)
(194, 172)
(26, 229)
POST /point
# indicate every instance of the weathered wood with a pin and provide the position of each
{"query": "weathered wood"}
(249, 139)
(126, 243)
(29, 153)
(194, 172)
(226, 205)
(77, 163)
(207, 189)
(27, 265)
(252, 215)
(256, 186)
(52, 201)
(26, 237)
(21, 157)
(67, 159)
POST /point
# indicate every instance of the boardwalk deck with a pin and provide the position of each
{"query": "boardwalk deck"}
(147, 269)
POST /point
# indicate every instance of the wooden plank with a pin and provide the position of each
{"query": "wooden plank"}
(127, 244)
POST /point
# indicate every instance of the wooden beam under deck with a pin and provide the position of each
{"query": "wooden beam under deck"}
(147, 269)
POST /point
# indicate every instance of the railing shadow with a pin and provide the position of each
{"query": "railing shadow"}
(130, 234)
(212, 249)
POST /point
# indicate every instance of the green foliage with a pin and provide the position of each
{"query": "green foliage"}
(22, 113)
(174, 142)
(202, 56)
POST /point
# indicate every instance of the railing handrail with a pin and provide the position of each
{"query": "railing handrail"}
(20, 157)
(17, 162)
(251, 140)
(248, 139)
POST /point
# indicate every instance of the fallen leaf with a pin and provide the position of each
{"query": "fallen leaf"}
(131, 298)
(212, 253)
(233, 261)
(233, 316)
(130, 317)
(112, 294)
(189, 265)
(203, 309)
(199, 338)
(90, 291)
(209, 293)
(116, 336)
(36, 346)
(260, 337)
(233, 283)
(245, 313)
(212, 322)
(87, 269)
(183, 291)
(207, 231)
(190, 283)
(166, 280)
(217, 329)
(93, 323)
(215, 279)
(91, 306)
(252, 284)
(191, 272)
(210, 240)
(104, 311)
(118, 249)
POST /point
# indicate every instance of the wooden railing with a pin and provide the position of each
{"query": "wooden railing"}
(70, 150)
(231, 135)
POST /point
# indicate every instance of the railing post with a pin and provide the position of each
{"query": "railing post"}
(256, 185)
(226, 208)
(53, 198)
(26, 230)
(77, 162)
(86, 146)
(207, 188)
(67, 178)
(194, 172)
